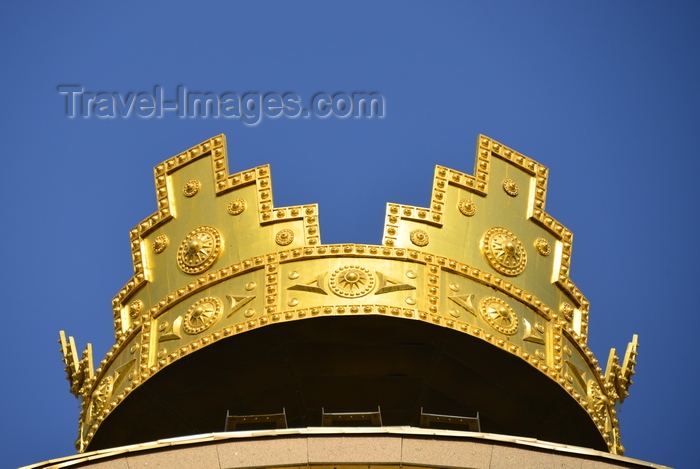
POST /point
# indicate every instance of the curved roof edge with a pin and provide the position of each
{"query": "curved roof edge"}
(318, 446)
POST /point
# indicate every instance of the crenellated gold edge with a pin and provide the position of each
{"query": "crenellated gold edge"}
(215, 148)
(479, 185)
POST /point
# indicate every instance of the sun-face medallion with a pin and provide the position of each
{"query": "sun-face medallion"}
(202, 315)
(499, 315)
(199, 250)
(351, 281)
(504, 251)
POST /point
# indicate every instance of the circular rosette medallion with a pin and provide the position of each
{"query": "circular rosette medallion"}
(284, 237)
(419, 238)
(542, 246)
(236, 206)
(199, 250)
(467, 207)
(160, 243)
(499, 315)
(202, 315)
(504, 251)
(351, 281)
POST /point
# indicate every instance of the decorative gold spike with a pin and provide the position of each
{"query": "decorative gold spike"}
(530, 335)
(77, 371)
(237, 302)
(465, 301)
(387, 285)
(313, 286)
(627, 370)
(172, 332)
(612, 376)
(121, 372)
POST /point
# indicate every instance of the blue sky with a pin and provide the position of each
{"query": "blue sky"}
(603, 93)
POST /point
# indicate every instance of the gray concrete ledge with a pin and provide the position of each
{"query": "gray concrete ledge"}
(329, 447)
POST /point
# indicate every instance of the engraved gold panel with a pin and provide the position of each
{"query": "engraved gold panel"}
(101, 396)
(596, 398)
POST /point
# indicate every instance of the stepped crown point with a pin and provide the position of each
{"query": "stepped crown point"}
(219, 259)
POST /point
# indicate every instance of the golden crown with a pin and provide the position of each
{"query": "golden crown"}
(235, 305)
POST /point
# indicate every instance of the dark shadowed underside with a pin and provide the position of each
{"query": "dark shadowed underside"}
(343, 364)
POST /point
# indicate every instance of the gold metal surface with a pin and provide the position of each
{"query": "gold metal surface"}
(499, 274)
